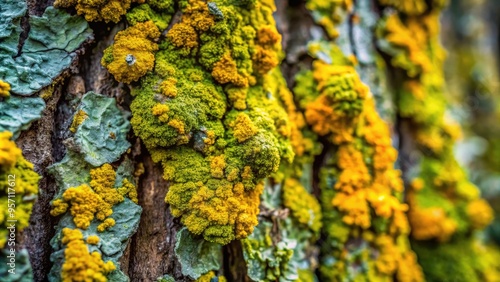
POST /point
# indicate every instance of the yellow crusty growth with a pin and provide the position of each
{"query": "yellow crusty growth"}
(15, 172)
(9, 152)
(4, 89)
(93, 240)
(132, 54)
(79, 264)
(243, 127)
(79, 117)
(86, 202)
(99, 10)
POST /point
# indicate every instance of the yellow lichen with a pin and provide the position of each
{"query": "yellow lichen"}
(4, 89)
(480, 213)
(217, 166)
(243, 128)
(132, 54)
(161, 111)
(18, 185)
(79, 264)
(9, 152)
(92, 240)
(168, 87)
(225, 71)
(95, 201)
(79, 117)
(99, 10)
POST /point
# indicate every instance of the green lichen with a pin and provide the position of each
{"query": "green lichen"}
(22, 265)
(47, 51)
(196, 255)
(101, 137)
(96, 205)
(16, 113)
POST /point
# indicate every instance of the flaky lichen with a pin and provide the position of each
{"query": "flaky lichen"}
(18, 189)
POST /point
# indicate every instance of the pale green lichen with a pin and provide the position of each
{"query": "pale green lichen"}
(196, 255)
(101, 137)
(46, 52)
(17, 114)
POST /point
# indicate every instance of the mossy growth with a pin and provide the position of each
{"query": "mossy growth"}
(207, 115)
(18, 187)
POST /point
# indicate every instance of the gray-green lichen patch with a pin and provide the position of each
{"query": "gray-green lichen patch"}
(267, 260)
(112, 241)
(47, 51)
(22, 267)
(165, 278)
(16, 114)
(11, 12)
(196, 255)
(102, 136)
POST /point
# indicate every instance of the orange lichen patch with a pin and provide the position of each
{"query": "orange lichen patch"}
(107, 223)
(183, 35)
(168, 87)
(264, 60)
(267, 35)
(225, 71)
(132, 54)
(161, 111)
(79, 264)
(177, 124)
(243, 127)
(431, 223)
(195, 18)
(337, 109)
(4, 89)
(128, 189)
(354, 208)
(404, 37)
(217, 166)
(409, 7)
(415, 88)
(79, 117)
(9, 152)
(247, 173)
(480, 213)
